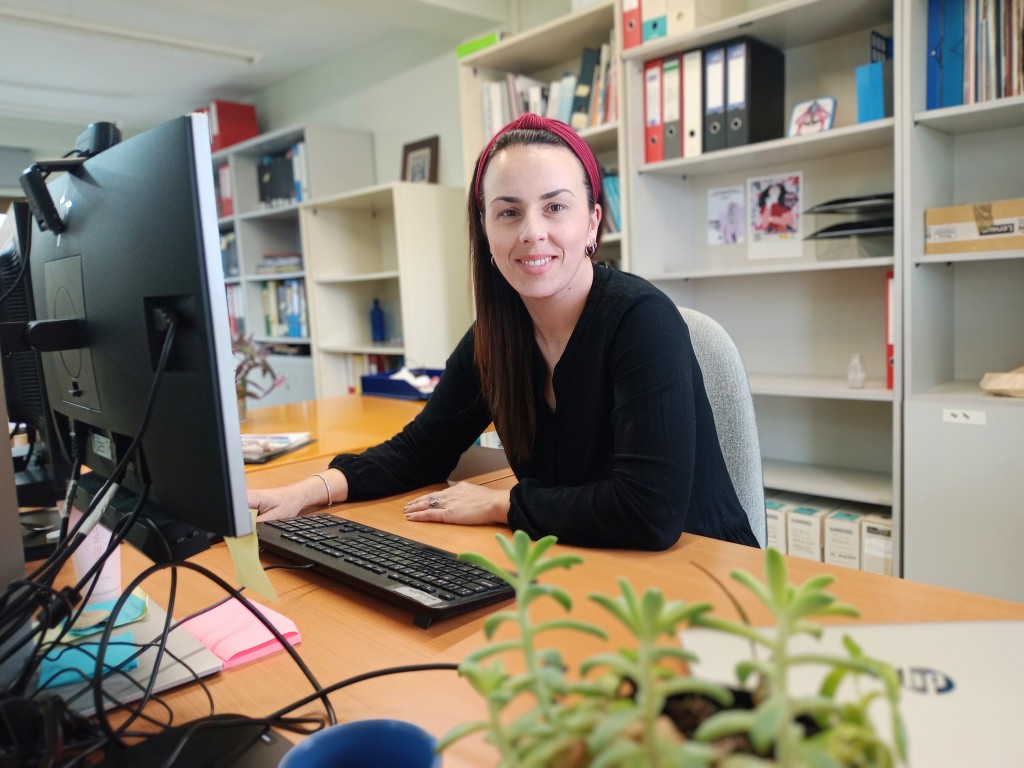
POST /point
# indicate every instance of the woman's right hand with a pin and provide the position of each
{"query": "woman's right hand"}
(276, 503)
(323, 488)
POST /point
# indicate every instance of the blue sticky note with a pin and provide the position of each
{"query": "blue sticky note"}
(75, 663)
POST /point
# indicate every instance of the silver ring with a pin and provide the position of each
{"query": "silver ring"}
(433, 502)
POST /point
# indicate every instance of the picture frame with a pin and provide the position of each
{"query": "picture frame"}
(419, 161)
(812, 116)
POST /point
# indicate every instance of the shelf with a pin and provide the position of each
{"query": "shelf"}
(797, 149)
(361, 278)
(967, 392)
(775, 269)
(943, 259)
(363, 349)
(270, 143)
(835, 482)
(822, 387)
(284, 212)
(264, 277)
(546, 45)
(281, 339)
(602, 138)
(985, 116)
(783, 25)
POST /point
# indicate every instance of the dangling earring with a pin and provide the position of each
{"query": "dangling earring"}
(591, 249)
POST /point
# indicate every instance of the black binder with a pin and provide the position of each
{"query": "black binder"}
(714, 98)
(755, 92)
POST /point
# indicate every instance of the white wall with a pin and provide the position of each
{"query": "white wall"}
(403, 90)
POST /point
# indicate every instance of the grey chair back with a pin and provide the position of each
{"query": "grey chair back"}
(725, 380)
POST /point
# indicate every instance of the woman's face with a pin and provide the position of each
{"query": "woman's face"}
(537, 220)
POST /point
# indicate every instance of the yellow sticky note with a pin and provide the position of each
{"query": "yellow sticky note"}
(245, 554)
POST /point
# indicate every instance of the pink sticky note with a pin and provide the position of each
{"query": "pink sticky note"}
(236, 636)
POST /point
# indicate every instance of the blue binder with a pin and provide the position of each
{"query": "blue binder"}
(951, 90)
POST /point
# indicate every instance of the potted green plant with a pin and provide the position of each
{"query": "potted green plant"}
(619, 708)
(251, 358)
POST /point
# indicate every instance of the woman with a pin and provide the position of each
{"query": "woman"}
(587, 374)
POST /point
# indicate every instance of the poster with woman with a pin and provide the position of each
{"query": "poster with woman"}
(775, 220)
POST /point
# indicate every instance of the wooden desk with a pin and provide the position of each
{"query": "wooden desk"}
(342, 424)
(346, 633)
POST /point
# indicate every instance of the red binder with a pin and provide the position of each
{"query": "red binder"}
(890, 330)
(654, 125)
(632, 28)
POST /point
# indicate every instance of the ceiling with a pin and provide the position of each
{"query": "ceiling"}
(115, 63)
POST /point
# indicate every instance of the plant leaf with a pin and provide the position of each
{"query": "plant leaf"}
(460, 732)
(769, 719)
(725, 723)
(714, 691)
(579, 626)
(777, 577)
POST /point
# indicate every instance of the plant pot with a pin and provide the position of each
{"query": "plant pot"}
(365, 744)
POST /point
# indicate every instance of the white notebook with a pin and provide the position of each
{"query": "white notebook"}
(962, 683)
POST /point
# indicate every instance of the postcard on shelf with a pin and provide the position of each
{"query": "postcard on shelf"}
(257, 449)
(775, 223)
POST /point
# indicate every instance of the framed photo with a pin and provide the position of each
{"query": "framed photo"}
(419, 161)
(812, 116)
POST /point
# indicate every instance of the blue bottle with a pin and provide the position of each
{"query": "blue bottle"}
(377, 322)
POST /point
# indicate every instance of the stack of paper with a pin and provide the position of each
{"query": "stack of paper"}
(257, 449)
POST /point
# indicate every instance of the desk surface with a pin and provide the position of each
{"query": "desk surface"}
(342, 424)
(346, 633)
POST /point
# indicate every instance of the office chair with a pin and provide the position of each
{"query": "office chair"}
(725, 380)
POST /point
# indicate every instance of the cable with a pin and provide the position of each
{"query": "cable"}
(360, 678)
(101, 714)
(59, 558)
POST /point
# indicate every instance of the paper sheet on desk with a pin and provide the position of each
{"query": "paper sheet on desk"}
(249, 573)
(236, 636)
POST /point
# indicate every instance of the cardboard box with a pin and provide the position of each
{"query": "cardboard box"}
(876, 544)
(992, 226)
(805, 527)
(776, 509)
(843, 533)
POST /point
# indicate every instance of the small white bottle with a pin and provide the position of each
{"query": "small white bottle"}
(855, 373)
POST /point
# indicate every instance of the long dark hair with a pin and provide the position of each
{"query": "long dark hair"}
(503, 333)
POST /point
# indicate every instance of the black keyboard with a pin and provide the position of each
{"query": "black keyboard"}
(430, 582)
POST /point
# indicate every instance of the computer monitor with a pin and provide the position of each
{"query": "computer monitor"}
(138, 244)
(40, 473)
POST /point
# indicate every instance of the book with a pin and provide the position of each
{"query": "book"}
(261, 448)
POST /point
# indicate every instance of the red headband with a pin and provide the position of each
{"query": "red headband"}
(578, 146)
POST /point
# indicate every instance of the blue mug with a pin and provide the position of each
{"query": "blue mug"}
(365, 743)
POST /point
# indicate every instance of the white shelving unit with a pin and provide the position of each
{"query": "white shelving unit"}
(797, 320)
(404, 244)
(544, 53)
(939, 451)
(337, 161)
(963, 489)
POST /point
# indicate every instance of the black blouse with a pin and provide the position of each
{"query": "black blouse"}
(630, 459)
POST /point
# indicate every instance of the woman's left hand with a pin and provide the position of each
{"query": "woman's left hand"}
(461, 504)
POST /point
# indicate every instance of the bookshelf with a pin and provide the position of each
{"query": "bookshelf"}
(796, 320)
(545, 53)
(404, 244)
(953, 487)
(262, 244)
(962, 484)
